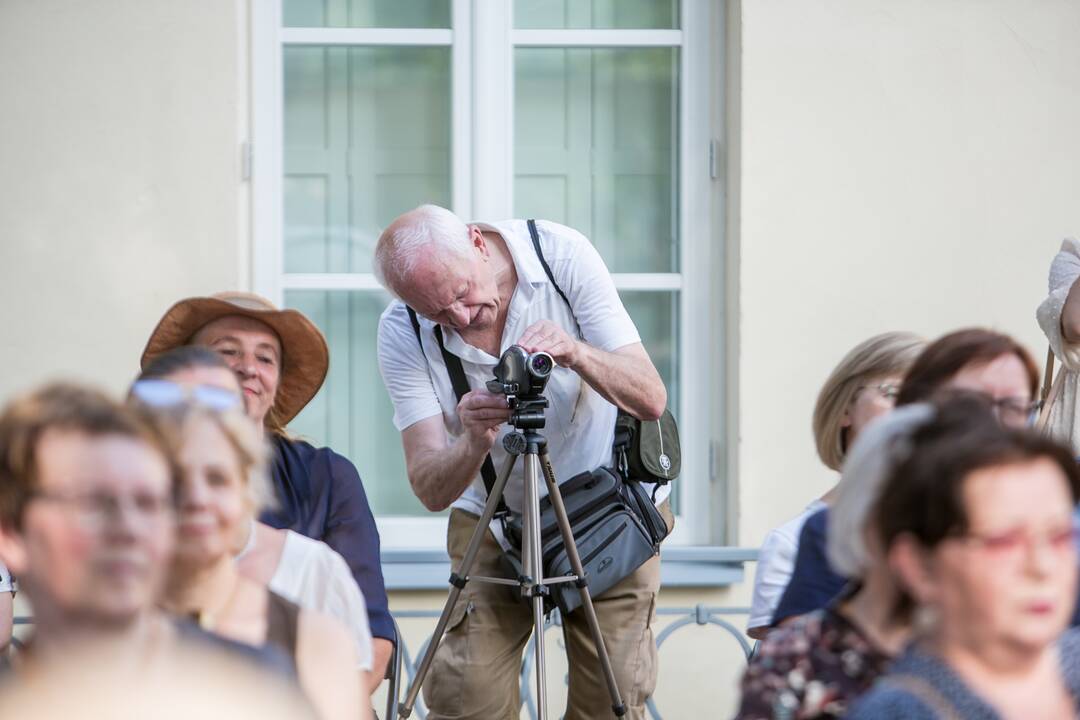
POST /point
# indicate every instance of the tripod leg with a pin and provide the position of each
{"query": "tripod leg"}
(533, 550)
(458, 579)
(582, 584)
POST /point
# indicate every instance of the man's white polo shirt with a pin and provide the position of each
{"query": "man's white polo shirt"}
(580, 423)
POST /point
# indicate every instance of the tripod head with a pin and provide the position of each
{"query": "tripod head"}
(527, 413)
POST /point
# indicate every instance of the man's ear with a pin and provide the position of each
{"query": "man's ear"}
(476, 239)
(913, 568)
(12, 550)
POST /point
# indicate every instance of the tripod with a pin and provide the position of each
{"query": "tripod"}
(527, 418)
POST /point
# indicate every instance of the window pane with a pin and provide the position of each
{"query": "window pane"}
(352, 412)
(656, 314)
(596, 14)
(596, 147)
(367, 13)
(367, 137)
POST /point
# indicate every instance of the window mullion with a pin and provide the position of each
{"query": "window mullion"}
(493, 120)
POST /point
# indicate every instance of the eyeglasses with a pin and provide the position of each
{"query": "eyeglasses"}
(887, 390)
(1014, 410)
(96, 510)
(1014, 544)
(159, 393)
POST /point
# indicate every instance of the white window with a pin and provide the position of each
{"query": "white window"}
(592, 113)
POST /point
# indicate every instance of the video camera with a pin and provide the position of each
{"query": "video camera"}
(522, 376)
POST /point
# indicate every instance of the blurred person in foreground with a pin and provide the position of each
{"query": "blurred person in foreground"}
(281, 360)
(221, 457)
(1059, 318)
(304, 571)
(7, 608)
(978, 529)
(86, 520)
(817, 664)
(862, 387)
(982, 361)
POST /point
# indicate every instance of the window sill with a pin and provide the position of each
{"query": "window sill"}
(696, 566)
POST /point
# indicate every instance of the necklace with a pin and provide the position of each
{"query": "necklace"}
(208, 619)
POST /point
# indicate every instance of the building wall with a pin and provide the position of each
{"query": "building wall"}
(120, 175)
(894, 166)
(905, 165)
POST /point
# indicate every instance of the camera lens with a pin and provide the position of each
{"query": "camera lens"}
(541, 364)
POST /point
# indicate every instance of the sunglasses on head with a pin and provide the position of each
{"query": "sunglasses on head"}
(159, 393)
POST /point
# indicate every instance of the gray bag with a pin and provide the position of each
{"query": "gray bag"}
(614, 537)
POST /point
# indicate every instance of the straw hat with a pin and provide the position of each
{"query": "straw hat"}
(305, 357)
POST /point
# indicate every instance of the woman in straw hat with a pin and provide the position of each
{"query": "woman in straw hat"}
(281, 360)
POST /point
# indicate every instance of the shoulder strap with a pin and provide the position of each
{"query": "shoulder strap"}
(460, 384)
(415, 325)
(534, 233)
(1048, 376)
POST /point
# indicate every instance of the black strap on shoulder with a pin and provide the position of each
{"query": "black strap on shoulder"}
(547, 268)
(415, 325)
(535, 235)
(460, 384)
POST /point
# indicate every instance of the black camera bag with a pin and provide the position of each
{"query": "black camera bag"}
(611, 536)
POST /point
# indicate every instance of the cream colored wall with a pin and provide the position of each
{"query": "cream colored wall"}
(904, 165)
(119, 168)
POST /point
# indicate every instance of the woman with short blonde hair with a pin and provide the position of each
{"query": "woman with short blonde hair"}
(861, 387)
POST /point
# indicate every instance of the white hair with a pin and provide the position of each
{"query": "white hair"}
(426, 230)
(878, 450)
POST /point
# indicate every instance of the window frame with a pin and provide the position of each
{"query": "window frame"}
(482, 76)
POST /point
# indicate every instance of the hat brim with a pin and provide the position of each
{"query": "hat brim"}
(305, 355)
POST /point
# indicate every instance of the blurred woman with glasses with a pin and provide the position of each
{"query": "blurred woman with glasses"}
(976, 360)
(281, 359)
(861, 387)
(816, 665)
(304, 571)
(977, 526)
(223, 484)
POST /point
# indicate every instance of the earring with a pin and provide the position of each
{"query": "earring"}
(925, 621)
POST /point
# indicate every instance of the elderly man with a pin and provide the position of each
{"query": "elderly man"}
(477, 290)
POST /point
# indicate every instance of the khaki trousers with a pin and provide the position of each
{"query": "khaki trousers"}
(475, 672)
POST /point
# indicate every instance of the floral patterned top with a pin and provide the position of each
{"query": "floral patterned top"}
(813, 667)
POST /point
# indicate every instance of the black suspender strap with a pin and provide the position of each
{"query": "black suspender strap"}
(460, 383)
(547, 268)
(415, 326)
(535, 235)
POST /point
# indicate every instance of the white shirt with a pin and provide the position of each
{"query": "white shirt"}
(776, 561)
(580, 423)
(312, 575)
(1062, 424)
(7, 583)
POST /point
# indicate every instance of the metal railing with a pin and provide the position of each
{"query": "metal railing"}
(405, 662)
(696, 616)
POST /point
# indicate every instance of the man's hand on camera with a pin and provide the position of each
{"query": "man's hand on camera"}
(546, 336)
(482, 413)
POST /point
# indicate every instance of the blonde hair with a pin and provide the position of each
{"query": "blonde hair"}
(890, 353)
(244, 436)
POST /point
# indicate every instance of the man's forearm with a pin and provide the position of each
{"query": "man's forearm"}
(439, 477)
(628, 381)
